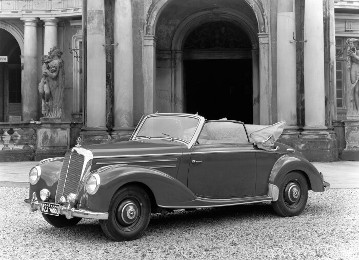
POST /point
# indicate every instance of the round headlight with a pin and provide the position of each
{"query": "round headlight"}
(44, 194)
(92, 184)
(34, 175)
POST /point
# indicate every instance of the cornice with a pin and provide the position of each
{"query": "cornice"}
(40, 8)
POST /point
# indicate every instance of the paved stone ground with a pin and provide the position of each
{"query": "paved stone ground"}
(327, 229)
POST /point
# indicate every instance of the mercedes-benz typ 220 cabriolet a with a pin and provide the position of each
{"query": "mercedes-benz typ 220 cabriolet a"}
(172, 161)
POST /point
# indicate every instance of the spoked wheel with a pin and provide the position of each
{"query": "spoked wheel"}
(61, 221)
(293, 195)
(129, 214)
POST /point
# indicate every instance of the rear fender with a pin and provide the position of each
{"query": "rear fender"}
(286, 164)
(166, 189)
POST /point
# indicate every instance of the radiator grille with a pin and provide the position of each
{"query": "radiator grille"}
(70, 175)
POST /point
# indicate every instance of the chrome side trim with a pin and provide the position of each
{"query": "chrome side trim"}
(139, 161)
(221, 202)
(70, 212)
(138, 155)
(273, 191)
(214, 152)
(163, 166)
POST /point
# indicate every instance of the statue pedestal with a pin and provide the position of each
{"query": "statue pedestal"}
(53, 138)
(351, 151)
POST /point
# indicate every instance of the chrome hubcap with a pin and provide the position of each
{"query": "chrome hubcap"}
(292, 193)
(128, 212)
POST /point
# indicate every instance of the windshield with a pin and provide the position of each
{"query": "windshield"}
(173, 127)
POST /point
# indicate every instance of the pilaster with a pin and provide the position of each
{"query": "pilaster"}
(149, 70)
(265, 91)
(314, 91)
(123, 65)
(96, 66)
(178, 87)
(286, 63)
(256, 86)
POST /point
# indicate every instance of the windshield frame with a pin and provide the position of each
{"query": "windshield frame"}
(189, 144)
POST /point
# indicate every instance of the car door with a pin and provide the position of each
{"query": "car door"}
(222, 171)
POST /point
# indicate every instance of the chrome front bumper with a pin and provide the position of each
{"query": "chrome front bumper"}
(67, 210)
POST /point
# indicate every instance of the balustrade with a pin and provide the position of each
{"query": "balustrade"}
(17, 137)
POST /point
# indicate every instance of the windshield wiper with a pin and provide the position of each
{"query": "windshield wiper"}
(143, 136)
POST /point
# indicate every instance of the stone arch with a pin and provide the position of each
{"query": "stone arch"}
(14, 31)
(193, 21)
(156, 9)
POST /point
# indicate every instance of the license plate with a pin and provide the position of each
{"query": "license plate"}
(50, 208)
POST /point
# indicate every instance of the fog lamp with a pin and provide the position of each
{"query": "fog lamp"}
(71, 197)
(62, 200)
(44, 194)
(92, 184)
(34, 175)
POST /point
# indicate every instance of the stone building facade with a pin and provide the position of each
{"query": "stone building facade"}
(258, 61)
(28, 30)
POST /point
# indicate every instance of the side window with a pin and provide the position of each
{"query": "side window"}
(223, 132)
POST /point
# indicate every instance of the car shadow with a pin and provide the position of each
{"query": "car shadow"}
(217, 215)
(90, 230)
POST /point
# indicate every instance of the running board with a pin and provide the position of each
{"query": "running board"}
(211, 203)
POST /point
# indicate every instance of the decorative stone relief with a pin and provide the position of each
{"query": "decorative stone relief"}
(353, 84)
(52, 84)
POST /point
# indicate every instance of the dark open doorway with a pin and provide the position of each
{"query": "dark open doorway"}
(219, 88)
(10, 78)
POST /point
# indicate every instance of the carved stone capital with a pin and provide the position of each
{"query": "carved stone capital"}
(31, 21)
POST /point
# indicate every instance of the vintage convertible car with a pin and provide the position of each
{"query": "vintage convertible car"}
(172, 161)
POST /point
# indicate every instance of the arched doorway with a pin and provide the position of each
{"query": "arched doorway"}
(172, 23)
(217, 71)
(10, 78)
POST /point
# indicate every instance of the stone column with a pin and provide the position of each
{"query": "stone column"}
(96, 66)
(286, 63)
(265, 92)
(149, 73)
(178, 88)
(29, 90)
(123, 66)
(255, 78)
(50, 35)
(314, 92)
(317, 143)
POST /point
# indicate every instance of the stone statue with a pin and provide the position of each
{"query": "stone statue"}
(353, 65)
(52, 84)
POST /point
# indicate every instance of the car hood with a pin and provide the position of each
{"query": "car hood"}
(135, 148)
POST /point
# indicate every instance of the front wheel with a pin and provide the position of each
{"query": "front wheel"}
(129, 214)
(293, 195)
(61, 221)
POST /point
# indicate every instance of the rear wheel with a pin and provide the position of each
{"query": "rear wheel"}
(293, 195)
(129, 214)
(61, 221)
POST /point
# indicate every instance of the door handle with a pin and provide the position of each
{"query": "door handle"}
(196, 162)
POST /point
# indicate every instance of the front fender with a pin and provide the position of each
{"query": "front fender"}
(50, 174)
(289, 163)
(166, 189)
